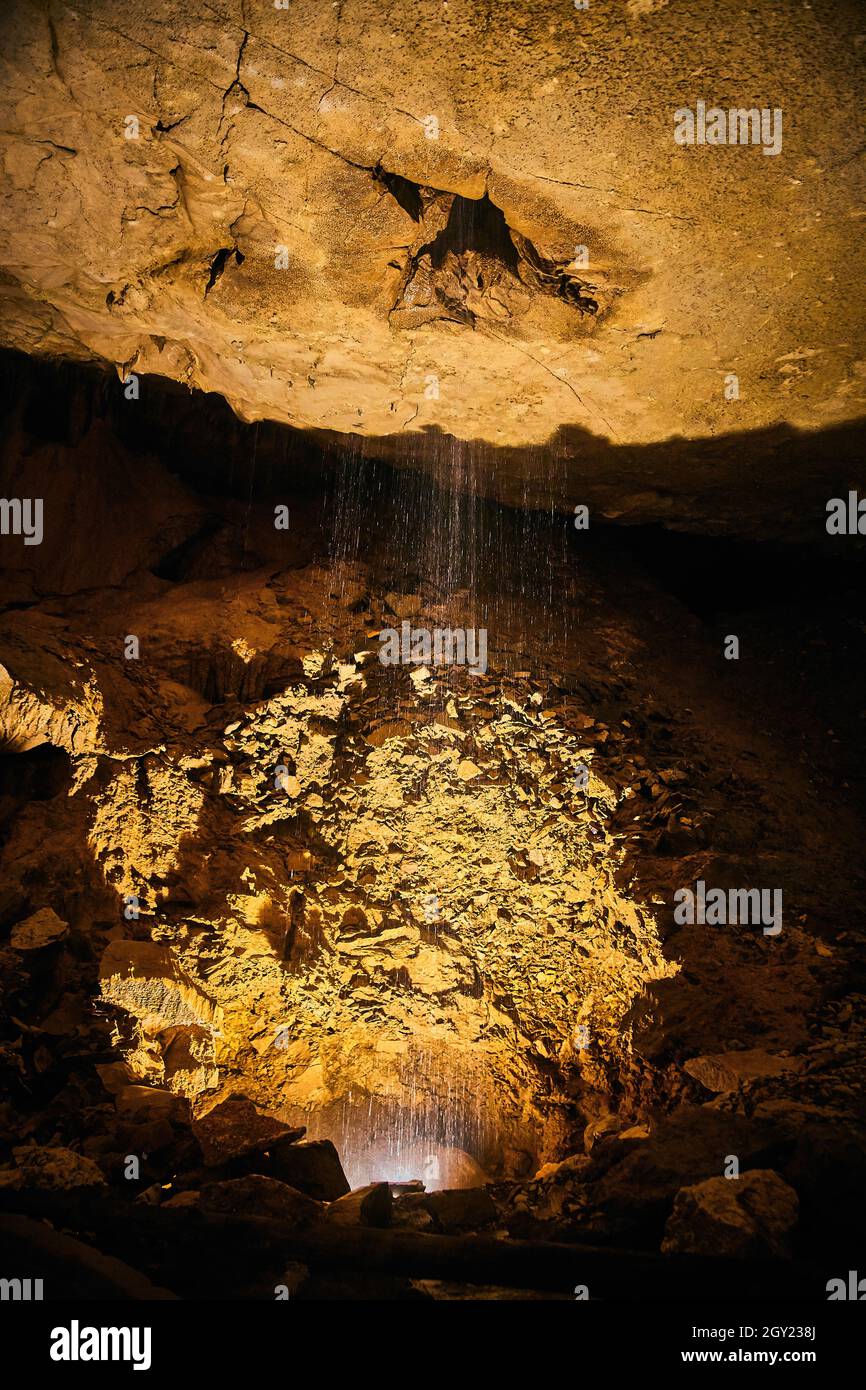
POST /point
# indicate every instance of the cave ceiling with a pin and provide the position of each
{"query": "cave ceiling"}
(460, 232)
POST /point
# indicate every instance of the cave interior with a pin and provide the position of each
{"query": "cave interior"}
(301, 932)
(432, 713)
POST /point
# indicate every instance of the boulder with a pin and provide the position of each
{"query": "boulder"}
(750, 1217)
(143, 1137)
(56, 1169)
(256, 1195)
(726, 1071)
(189, 1198)
(635, 1184)
(412, 1218)
(42, 928)
(115, 1076)
(444, 1166)
(313, 1167)
(150, 1103)
(235, 1128)
(464, 1209)
(366, 1206)
(563, 1171)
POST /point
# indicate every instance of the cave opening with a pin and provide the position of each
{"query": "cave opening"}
(475, 224)
(468, 266)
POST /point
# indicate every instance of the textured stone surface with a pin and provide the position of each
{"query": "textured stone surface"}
(750, 1217)
(144, 979)
(44, 928)
(189, 1060)
(234, 1128)
(727, 1070)
(307, 129)
(264, 1197)
(57, 1169)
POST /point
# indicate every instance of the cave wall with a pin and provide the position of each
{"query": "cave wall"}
(378, 900)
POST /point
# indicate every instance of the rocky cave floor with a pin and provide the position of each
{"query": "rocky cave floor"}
(269, 905)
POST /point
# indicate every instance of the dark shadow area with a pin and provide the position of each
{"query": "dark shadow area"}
(769, 484)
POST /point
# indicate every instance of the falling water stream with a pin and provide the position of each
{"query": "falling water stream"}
(432, 535)
(420, 526)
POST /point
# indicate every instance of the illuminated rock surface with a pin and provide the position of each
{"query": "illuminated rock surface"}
(300, 137)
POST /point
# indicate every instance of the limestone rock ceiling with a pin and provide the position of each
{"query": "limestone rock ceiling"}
(366, 221)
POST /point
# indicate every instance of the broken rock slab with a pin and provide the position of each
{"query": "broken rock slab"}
(236, 1128)
(366, 1206)
(257, 1195)
(750, 1217)
(313, 1167)
(146, 981)
(150, 1103)
(726, 1071)
(42, 928)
